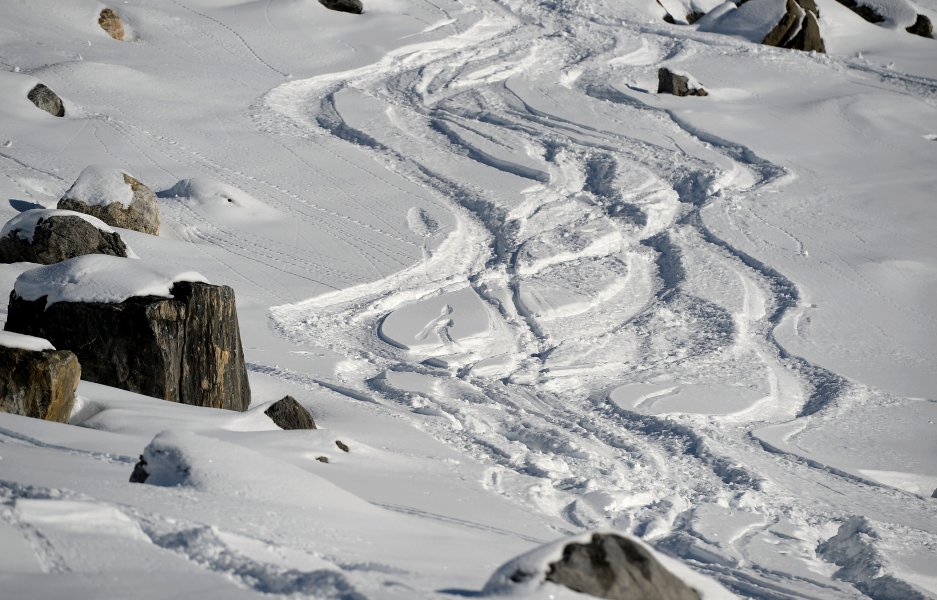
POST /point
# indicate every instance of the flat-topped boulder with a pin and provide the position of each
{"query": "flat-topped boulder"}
(115, 197)
(36, 380)
(48, 236)
(147, 328)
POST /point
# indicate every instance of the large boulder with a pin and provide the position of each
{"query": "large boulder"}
(47, 100)
(603, 565)
(349, 6)
(678, 84)
(798, 29)
(48, 236)
(144, 328)
(792, 24)
(36, 380)
(115, 197)
(110, 22)
(287, 413)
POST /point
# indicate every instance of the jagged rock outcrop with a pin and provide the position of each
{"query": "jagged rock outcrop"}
(115, 197)
(51, 236)
(614, 567)
(922, 27)
(287, 413)
(678, 84)
(38, 383)
(110, 22)
(798, 29)
(349, 6)
(47, 100)
(184, 349)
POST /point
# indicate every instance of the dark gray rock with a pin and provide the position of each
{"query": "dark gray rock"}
(922, 27)
(866, 12)
(142, 214)
(669, 82)
(614, 567)
(38, 384)
(57, 238)
(786, 27)
(342, 446)
(184, 349)
(287, 413)
(47, 100)
(349, 6)
(110, 22)
(139, 474)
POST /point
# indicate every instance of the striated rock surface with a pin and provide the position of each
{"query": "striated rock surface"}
(110, 22)
(184, 349)
(287, 413)
(38, 383)
(51, 236)
(116, 198)
(678, 84)
(349, 6)
(47, 100)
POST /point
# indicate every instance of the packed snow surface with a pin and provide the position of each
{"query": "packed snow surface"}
(100, 278)
(531, 296)
(100, 186)
(8, 339)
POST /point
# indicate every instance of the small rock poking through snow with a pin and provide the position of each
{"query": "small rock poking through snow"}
(678, 83)
(47, 100)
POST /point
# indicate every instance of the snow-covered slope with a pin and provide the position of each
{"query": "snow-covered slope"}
(531, 295)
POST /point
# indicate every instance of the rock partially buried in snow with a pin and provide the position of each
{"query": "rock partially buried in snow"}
(48, 236)
(144, 328)
(678, 84)
(349, 6)
(36, 380)
(220, 201)
(604, 565)
(287, 413)
(115, 197)
(47, 100)
(922, 26)
(110, 22)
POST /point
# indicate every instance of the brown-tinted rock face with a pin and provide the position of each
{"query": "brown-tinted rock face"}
(287, 413)
(110, 22)
(38, 384)
(798, 29)
(141, 215)
(611, 566)
(59, 238)
(47, 100)
(184, 349)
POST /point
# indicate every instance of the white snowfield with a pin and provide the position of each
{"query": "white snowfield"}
(532, 296)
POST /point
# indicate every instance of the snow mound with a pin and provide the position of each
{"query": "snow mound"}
(895, 13)
(8, 339)
(752, 20)
(220, 199)
(100, 186)
(524, 576)
(24, 224)
(100, 278)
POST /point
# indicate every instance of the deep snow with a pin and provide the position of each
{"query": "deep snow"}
(531, 296)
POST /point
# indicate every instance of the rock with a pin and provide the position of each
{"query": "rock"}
(323, 459)
(115, 197)
(110, 22)
(349, 6)
(139, 474)
(342, 446)
(47, 100)
(808, 38)
(798, 29)
(37, 383)
(184, 349)
(670, 82)
(50, 236)
(614, 567)
(922, 27)
(866, 12)
(287, 413)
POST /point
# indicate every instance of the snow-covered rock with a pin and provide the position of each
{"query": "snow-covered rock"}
(220, 202)
(678, 83)
(603, 564)
(781, 23)
(48, 236)
(139, 327)
(36, 380)
(115, 197)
